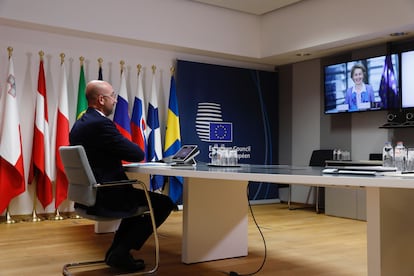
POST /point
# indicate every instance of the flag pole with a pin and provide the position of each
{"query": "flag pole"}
(139, 66)
(62, 58)
(35, 218)
(172, 70)
(153, 69)
(100, 61)
(122, 63)
(57, 214)
(9, 219)
(10, 50)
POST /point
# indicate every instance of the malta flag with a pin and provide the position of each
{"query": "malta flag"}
(121, 115)
(173, 141)
(154, 150)
(62, 137)
(41, 166)
(138, 125)
(11, 158)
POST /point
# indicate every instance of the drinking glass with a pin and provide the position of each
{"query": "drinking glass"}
(410, 159)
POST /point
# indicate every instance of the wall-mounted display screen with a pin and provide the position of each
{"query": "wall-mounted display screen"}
(362, 85)
(407, 79)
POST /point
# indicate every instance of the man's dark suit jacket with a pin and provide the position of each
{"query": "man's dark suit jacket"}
(106, 148)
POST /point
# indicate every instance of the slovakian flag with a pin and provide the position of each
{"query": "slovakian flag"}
(173, 141)
(154, 150)
(62, 137)
(40, 168)
(138, 125)
(82, 103)
(121, 115)
(12, 182)
(388, 87)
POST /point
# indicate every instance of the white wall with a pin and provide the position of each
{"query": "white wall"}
(305, 111)
(366, 135)
(305, 26)
(27, 43)
(172, 23)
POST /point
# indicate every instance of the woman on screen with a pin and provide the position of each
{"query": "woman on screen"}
(361, 95)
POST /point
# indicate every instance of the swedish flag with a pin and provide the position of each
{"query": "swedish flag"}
(172, 133)
(173, 141)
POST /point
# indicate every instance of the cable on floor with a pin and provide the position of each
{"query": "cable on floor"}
(234, 273)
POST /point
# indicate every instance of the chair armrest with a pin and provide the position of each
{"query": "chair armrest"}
(116, 183)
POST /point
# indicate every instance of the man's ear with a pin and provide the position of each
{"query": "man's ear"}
(101, 100)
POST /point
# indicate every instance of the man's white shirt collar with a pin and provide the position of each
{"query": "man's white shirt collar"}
(100, 112)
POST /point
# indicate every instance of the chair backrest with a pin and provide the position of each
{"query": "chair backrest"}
(319, 157)
(79, 173)
(375, 156)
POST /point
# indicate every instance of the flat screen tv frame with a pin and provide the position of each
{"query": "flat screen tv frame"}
(381, 81)
(407, 79)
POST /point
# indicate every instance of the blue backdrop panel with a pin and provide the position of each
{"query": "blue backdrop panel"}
(235, 107)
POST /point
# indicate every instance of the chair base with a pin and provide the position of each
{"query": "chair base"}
(147, 210)
(67, 267)
(316, 198)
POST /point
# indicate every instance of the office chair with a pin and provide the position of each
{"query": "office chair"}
(317, 159)
(375, 156)
(82, 189)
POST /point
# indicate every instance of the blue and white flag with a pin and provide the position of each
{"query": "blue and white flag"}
(154, 150)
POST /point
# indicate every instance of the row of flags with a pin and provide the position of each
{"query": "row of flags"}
(141, 127)
(144, 128)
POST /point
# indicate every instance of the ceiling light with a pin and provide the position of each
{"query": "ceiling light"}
(399, 34)
(303, 54)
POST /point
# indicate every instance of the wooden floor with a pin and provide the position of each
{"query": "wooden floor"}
(299, 243)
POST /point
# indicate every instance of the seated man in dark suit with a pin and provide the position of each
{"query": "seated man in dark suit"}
(106, 148)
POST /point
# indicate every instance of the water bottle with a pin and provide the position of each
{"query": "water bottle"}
(214, 155)
(221, 153)
(388, 155)
(400, 154)
(339, 155)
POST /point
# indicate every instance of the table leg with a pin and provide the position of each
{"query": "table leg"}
(214, 219)
(390, 231)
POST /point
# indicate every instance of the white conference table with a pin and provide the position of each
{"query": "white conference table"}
(215, 210)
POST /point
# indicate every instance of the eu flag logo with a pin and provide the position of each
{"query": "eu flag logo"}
(221, 132)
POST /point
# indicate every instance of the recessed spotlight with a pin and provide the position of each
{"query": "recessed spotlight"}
(399, 34)
(303, 54)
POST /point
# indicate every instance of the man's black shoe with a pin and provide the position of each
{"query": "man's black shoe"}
(124, 262)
